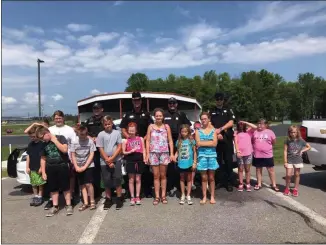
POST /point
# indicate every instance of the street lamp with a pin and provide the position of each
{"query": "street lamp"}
(39, 86)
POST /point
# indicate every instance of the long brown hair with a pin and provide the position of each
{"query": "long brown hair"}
(180, 139)
(294, 127)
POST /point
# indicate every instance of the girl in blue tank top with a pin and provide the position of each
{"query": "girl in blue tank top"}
(206, 141)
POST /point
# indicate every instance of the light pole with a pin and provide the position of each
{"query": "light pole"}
(39, 86)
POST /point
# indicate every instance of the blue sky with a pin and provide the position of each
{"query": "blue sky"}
(93, 47)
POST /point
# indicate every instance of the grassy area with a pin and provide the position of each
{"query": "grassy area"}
(4, 173)
(18, 129)
(278, 150)
(5, 152)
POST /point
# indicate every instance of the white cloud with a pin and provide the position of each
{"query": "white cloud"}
(101, 37)
(117, 3)
(78, 27)
(95, 92)
(57, 97)
(8, 100)
(31, 98)
(182, 11)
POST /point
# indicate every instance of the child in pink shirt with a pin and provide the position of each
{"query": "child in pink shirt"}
(263, 140)
(244, 150)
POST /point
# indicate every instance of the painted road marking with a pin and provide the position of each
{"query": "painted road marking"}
(296, 205)
(4, 178)
(93, 226)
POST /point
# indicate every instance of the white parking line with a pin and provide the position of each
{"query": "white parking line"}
(4, 178)
(93, 226)
(296, 205)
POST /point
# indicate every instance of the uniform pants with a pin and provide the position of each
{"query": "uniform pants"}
(225, 160)
(173, 176)
(147, 181)
(97, 174)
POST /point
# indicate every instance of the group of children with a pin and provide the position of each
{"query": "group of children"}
(48, 160)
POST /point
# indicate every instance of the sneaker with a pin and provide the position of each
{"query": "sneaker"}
(182, 200)
(172, 192)
(69, 210)
(48, 205)
(229, 188)
(107, 203)
(193, 187)
(248, 187)
(286, 192)
(38, 201)
(189, 201)
(32, 203)
(295, 193)
(119, 203)
(240, 187)
(52, 211)
(138, 201)
(132, 201)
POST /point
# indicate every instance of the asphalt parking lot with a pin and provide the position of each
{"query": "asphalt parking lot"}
(256, 217)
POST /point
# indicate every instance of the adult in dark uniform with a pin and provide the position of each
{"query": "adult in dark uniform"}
(222, 118)
(94, 127)
(174, 119)
(143, 119)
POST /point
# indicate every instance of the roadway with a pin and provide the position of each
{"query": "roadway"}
(257, 217)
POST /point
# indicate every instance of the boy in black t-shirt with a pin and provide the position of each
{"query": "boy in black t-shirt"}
(55, 168)
(33, 167)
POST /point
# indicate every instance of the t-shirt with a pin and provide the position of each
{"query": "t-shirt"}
(185, 153)
(82, 149)
(262, 143)
(34, 150)
(66, 131)
(134, 143)
(244, 142)
(294, 149)
(52, 154)
(109, 141)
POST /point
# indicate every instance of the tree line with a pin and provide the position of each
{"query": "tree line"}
(254, 94)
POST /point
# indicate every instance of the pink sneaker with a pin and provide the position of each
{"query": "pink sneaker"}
(240, 188)
(286, 192)
(248, 187)
(295, 193)
(137, 199)
(132, 201)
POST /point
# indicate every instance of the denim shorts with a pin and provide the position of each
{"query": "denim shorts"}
(207, 163)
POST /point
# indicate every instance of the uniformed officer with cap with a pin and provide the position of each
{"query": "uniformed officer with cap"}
(94, 126)
(174, 119)
(143, 119)
(222, 118)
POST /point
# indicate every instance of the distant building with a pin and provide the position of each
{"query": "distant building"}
(15, 120)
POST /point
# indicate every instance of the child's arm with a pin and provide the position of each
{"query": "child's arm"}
(62, 145)
(143, 147)
(273, 138)
(285, 153)
(27, 165)
(148, 141)
(236, 144)
(251, 125)
(74, 160)
(116, 153)
(32, 125)
(124, 144)
(89, 160)
(176, 155)
(194, 166)
(100, 145)
(44, 176)
(170, 142)
(210, 143)
(307, 148)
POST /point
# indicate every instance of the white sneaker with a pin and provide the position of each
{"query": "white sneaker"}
(189, 201)
(182, 200)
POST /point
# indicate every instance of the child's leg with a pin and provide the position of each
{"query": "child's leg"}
(182, 184)
(55, 198)
(204, 184)
(240, 173)
(119, 191)
(35, 190)
(193, 178)
(247, 171)
(259, 173)
(40, 190)
(90, 191)
(108, 193)
(156, 173)
(271, 174)
(138, 184)
(211, 179)
(189, 178)
(84, 193)
(132, 185)
(288, 175)
(297, 178)
(163, 169)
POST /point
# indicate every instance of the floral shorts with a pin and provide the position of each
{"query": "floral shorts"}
(156, 158)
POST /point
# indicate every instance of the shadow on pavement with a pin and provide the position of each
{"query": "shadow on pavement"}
(21, 190)
(316, 180)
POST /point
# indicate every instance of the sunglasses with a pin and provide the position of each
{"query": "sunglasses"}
(172, 103)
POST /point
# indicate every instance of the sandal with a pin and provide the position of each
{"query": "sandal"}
(202, 202)
(156, 201)
(92, 206)
(83, 207)
(274, 188)
(164, 200)
(257, 187)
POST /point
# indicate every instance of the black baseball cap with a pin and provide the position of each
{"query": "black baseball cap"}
(219, 95)
(97, 105)
(172, 100)
(136, 95)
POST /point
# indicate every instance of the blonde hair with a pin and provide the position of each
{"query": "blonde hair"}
(294, 127)
(107, 118)
(186, 126)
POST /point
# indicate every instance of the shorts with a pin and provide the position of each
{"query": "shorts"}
(263, 162)
(244, 160)
(184, 170)
(207, 163)
(58, 178)
(295, 165)
(112, 177)
(85, 177)
(156, 158)
(135, 167)
(36, 179)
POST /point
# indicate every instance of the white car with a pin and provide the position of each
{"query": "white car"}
(16, 166)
